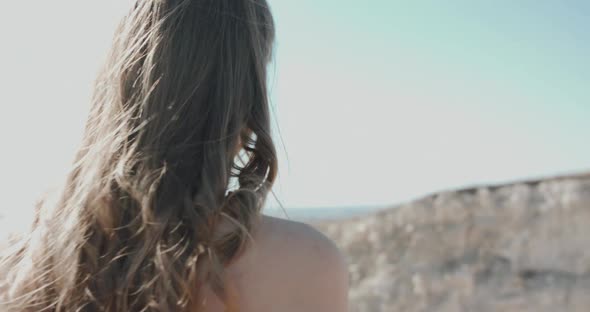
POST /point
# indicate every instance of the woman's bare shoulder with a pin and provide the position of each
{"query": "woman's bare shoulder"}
(280, 235)
(291, 267)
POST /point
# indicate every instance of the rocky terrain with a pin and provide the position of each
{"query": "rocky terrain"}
(518, 247)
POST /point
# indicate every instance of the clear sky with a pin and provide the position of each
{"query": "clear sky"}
(377, 102)
(383, 101)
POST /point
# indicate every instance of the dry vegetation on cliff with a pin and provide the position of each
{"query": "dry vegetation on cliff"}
(518, 247)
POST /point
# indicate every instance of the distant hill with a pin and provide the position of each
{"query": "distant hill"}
(518, 247)
(311, 214)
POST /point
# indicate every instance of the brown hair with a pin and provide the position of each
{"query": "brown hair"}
(132, 229)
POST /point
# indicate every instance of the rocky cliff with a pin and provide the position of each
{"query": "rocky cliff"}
(518, 247)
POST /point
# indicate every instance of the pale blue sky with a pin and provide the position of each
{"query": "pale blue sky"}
(383, 101)
(377, 101)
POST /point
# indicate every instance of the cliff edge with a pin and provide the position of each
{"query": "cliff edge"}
(518, 247)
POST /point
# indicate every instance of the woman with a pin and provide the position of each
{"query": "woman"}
(161, 210)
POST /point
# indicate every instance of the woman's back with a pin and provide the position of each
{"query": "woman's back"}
(291, 268)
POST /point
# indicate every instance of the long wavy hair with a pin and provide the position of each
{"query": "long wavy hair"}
(177, 140)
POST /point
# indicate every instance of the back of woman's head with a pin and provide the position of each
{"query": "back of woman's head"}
(179, 115)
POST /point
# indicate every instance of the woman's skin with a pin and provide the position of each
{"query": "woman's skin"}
(291, 267)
